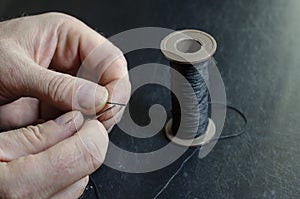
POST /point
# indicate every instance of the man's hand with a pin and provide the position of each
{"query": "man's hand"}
(61, 162)
(45, 71)
(30, 46)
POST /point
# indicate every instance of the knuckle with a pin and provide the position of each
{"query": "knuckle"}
(121, 62)
(34, 135)
(59, 86)
(57, 15)
(62, 18)
(121, 65)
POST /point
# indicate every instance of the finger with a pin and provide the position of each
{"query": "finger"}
(73, 191)
(34, 139)
(101, 61)
(68, 40)
(19, 113)
(76, 41)
(64, 91)
(59, 166)
(109, 124)
(119, 91)
(78, 46)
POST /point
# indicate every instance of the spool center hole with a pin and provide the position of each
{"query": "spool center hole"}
(188, 46)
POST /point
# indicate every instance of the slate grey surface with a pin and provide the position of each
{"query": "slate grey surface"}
(258, 56)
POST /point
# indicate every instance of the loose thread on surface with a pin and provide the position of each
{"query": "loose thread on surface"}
(176, 173)
(237, 133)
(202, 99)
(230, 136)
(233, 135)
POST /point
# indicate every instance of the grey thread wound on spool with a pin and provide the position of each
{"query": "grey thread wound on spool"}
(194, 112)
(190, 53)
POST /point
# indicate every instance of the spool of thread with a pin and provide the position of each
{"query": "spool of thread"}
(190, 53)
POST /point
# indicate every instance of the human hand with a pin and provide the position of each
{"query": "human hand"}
(62, 155)
(61, 162)
(30, 46)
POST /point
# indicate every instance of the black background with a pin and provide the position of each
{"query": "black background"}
(258, 57)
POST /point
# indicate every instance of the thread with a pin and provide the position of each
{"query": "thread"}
(190, 53)
(112, 105)
(185, 161)
(193, 62)
(222, 137)
(194, 114)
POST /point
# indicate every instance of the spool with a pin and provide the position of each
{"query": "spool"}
(188, 48)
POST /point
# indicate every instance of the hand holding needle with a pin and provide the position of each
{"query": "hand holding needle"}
(108, 109)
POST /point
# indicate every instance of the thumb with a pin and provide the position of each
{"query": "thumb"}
(60, 166)
(65, 91)
(34, 139)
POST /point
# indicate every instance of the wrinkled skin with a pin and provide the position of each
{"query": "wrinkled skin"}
(39, 60)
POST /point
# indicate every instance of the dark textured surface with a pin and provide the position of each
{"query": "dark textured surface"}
(258, 56)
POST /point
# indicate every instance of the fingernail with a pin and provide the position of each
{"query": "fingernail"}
(92, 97)
(68, 117)
(101, 97)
